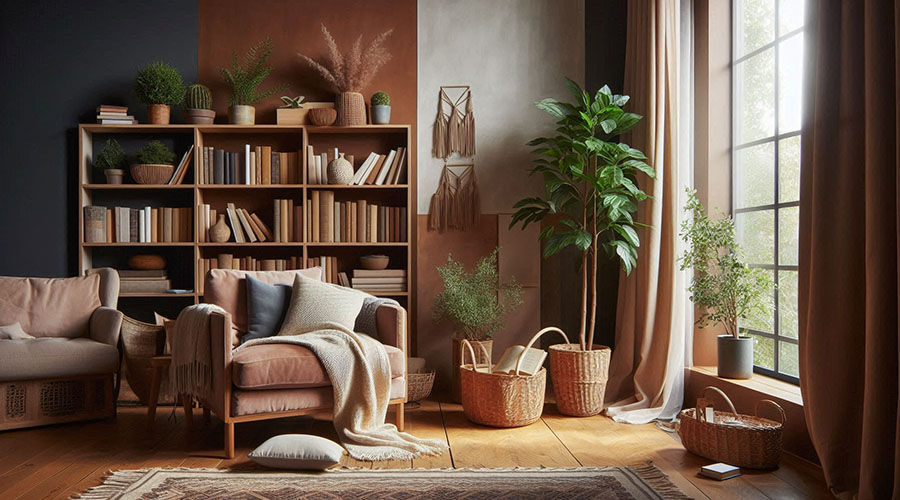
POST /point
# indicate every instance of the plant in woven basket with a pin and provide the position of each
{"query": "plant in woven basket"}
(159, 83)
(591, 188)
(353, 71)
(198, 97)
(724, 288)
(112, 156)
(248, 73)
(381, 99)
(292, 102)
(475, 302)
(155, 153)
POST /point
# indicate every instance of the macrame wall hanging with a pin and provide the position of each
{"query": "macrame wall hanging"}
(455, 205)
(454, 132)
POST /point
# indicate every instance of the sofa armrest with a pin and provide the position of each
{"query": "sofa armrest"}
(390, 321)
(220, 338)
(105, 325)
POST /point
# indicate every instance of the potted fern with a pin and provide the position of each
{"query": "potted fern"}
(591, 194)
(244, 77)
(199, 105)
(159, 86)
(111, 159)
(348, 74)
(475, 303)
(723, 287)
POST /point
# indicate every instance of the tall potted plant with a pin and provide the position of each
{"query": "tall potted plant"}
(159, 86)
(591, 194)
(348, 74)
(723, 287)
(475, 303)
(244, 77)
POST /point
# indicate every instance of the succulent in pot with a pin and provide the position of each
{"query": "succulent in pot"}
(198, 105)
(381, 108)
(244, 77)
(154, 164)
(111, 159)
(159, 86)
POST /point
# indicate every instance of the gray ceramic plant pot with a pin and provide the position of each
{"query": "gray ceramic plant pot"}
(381, 114)
(735, 356)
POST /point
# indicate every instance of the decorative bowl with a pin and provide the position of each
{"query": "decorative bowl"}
(151, 173)
(322, 116)
(374, 262)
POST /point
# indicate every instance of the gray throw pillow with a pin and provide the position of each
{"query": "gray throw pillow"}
(266, 307)
(297, 451)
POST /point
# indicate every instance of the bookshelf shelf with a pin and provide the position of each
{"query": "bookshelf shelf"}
(186, 260)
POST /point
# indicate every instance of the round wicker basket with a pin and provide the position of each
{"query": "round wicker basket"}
(419, 385)
(579, 378)
(141, 342)
(149, 173)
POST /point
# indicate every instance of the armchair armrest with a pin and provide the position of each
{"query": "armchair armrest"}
(105, 325)
(390, 321)
(220, 338)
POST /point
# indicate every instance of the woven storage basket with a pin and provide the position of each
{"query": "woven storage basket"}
(351, 109)
(755, 445)
(579, 378)
(141, 342)
(501, 400)
(419, 385)
(151, 173)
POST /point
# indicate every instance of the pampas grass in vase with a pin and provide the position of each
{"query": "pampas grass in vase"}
(347, 74)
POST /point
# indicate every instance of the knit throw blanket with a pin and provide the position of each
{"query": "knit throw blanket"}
(191, 368)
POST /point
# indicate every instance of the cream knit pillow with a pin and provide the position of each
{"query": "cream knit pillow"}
(315, 304)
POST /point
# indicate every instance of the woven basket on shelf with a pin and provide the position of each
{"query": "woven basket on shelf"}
(351, 109)
(419, 385)
(753, 442)
(151, 173)
(141, 342)
(501, 400)
(579, 378)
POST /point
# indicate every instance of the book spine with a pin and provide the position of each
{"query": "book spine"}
(315, 203)
(277, 221)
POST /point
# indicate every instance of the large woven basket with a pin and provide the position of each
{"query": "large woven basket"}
(419, 385)
(579, 378)
(351, 109)
(501, 400)
(141, 342)
(151, 173)
(742, 440)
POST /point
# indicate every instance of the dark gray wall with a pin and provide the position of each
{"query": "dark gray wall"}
(59, 61)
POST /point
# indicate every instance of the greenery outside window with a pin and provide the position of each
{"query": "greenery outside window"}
(767, 66)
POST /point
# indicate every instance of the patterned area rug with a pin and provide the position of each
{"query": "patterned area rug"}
(607, 483)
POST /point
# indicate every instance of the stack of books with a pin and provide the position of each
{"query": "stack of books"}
(255, 165)
(114, 115)
(377, 169)
(246, 227)
(137, 225)
(379, 281)
(134, 281)
(356, 221)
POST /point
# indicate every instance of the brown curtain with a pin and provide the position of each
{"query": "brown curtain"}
(848, 245)
(647, 367)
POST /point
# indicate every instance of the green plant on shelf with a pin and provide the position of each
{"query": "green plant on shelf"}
(159, 83)
(111, 156)
(292, 102)
(198, 97)
(381, 99)
(248, 73)
(155, 153)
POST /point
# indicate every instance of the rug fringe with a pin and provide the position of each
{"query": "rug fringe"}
(659, 481)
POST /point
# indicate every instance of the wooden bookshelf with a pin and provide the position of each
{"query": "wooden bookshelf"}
(183, 257)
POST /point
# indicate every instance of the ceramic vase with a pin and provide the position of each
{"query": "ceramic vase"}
(220, 232)
(340, 171)
(158, 114)
(242, 115)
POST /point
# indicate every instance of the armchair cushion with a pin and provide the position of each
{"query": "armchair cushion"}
(55, 358)
(50, 307)
(288, 366)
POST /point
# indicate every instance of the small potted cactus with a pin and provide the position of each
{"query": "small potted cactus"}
(111, 159)
(159, 86)
(198, 105)
(291, 112)
(381, 108)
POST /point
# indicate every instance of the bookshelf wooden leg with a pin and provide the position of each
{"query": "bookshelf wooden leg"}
(229, 439)
(400, 417)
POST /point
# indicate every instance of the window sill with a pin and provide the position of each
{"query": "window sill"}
(768, 386)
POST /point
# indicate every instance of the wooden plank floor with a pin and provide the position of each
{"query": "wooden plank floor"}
(59, 461)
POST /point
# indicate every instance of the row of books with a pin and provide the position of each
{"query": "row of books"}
(114, 115)
(229, 261)
(247, 227)
(137, 225)
(377, 169)
(255, 165)
(355, 221)
(383, 280)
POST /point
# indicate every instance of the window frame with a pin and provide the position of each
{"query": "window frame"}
(777, 205)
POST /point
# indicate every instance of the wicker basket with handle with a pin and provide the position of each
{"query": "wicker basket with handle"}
(502, 400)
(742, 440)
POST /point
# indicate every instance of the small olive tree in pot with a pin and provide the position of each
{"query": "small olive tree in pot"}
(723, 287)
(591, 194)
(475, 303)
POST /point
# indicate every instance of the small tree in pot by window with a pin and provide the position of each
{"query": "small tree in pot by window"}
(723, 287)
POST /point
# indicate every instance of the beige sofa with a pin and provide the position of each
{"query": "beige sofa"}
(66, 372)
(278, 380)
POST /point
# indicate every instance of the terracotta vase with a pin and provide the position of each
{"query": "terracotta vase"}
(579, 378)
(159, 114)
(114, 175)
(351, 109)
(457, 360)
(220, 232)
(340, 171)
(242, 115)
